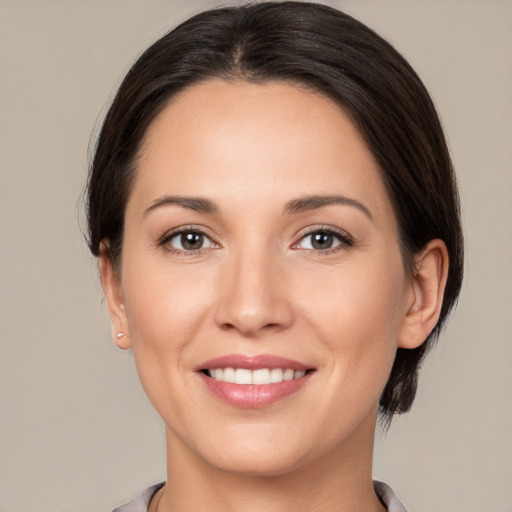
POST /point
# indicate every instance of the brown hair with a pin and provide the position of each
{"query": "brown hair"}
(325, 50)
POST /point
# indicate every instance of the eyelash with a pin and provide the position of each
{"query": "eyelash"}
(166, 239)
(346, 241)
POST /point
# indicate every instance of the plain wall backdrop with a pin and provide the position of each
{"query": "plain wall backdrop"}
(77, 432)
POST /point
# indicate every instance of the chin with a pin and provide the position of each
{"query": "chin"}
(259, 451)
(270, 463)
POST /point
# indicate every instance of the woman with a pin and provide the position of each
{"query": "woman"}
(276, 219)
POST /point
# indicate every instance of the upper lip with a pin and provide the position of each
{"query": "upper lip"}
(252, 362)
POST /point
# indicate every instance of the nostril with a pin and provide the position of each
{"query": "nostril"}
(251, 315)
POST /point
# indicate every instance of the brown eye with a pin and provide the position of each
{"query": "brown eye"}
(190, 241)
(323, 240)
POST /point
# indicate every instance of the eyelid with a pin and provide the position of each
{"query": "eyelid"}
(180, 230)
(345, 238)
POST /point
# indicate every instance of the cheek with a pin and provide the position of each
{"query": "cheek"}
(163, 302)
(165, 309)
(356, 312)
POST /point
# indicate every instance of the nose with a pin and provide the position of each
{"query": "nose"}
(254, 298)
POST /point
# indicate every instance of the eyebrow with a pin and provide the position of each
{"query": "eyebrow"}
(314, 202)
(302, 204)
(198, 204)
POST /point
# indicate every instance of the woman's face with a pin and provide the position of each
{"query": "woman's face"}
(260, 240)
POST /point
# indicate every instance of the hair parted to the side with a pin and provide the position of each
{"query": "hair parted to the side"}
(324, 50)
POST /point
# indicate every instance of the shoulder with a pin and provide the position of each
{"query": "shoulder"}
(388, 497)
(141, 502)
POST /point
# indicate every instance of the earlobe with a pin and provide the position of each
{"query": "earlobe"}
(426, 294)
(111, 284)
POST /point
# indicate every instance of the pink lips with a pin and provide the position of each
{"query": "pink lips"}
(252, 395)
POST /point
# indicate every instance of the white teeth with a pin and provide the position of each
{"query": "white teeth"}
(258, 377)
(243, 376)
(262, 376)
(276, 375)
(229, 375)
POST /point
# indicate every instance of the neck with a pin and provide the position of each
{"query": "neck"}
(338, 481)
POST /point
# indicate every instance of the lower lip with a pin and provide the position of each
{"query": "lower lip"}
(250, 395)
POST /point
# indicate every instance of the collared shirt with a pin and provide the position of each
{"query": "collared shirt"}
(141, 502)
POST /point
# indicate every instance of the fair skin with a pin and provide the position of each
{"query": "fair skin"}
(292, 252)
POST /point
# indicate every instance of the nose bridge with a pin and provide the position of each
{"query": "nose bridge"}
(253, 298)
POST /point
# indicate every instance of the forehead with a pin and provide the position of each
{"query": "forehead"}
(222, 139)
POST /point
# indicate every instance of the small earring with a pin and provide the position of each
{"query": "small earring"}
(122, 341)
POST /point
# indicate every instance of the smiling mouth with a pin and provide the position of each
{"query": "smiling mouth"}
(253, 381)
(258, 377)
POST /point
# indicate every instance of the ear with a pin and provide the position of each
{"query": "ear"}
(426, 294)
(112, 289)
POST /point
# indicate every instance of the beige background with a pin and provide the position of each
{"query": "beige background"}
(76, 430)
